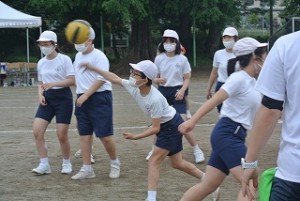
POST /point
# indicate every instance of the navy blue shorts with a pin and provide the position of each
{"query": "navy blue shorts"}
(228, 145)
(283, 190)
(169, 94)
(169, 137)
(59, 104)
(96, 115)
(218, 86)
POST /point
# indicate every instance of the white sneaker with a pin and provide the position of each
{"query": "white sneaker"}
(216, 194)
(42, 169)
(199, 156)
(83, 174)
(114, 171)
(66, 168)
(92, 159)
(149, 155)
(78, 153)
(188, 114)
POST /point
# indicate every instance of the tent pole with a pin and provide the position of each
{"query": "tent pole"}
(27, 39)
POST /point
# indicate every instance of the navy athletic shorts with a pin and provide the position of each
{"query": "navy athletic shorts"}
(59, 104)
(96, 115)
(228, 145)
(169, 137)
(169, 94)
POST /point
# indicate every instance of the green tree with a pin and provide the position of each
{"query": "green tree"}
(212, 16)
(292, 8)
(144, 18)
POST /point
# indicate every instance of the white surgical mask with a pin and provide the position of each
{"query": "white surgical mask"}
(170, 47)
(228, 44)
(132, 82)
(81, 47)
(47, 50)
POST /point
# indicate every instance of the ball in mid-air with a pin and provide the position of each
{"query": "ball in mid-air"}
(77, 31)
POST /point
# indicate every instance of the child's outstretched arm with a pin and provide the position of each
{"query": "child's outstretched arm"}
(154, 129)
(112, 77)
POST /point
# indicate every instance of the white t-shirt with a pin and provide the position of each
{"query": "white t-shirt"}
(172, 68)
(243, 100)
(279, 80)
(54, 70)
(86, 78)
(154, 105)
(220, 61)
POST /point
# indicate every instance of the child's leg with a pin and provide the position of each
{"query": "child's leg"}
(212, 180)
(188, 113)
(154, 162)
(179, 163)
(152, 149)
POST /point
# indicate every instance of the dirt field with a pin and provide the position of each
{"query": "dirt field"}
(19, 155)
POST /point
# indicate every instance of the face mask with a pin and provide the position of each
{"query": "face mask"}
(170, 47)
(228, 44)
(132, 82)
(81, 47)
(47, 50)
(260, 66)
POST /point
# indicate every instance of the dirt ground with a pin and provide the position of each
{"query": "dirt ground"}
(19, 155)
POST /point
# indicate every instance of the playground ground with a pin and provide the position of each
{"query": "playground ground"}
(19, 155)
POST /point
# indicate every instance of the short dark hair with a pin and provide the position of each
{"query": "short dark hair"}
(244, 60)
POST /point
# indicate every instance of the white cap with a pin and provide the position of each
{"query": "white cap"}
(246, 46)
(230, 31)
(92, 34)
(147, 67)
(171, 34)
(48, 36)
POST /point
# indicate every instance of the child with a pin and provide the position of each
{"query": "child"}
(164, 119)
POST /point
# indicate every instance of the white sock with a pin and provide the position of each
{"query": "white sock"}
(152, 149)
(151, 195)
(44, 160)
(66, 161)
(87, 167)
(115, 162)
(196, 147)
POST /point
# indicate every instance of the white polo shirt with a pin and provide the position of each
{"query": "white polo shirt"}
(243, 100)
(172, 68)
(86, 78)
(54, 70)
(220, 61)
(154, 105)
(279, 79)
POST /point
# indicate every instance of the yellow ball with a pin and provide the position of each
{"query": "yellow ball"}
(77, 31)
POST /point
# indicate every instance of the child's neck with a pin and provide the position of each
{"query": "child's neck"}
(145, 90)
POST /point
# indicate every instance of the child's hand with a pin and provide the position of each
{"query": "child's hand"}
(186, 126)
(129, 136)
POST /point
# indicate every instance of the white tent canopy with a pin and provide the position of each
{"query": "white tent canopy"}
(12, 18)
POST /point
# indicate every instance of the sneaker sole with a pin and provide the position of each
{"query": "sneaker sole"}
(66, 172)
(38, 173)
(201, 161)
(83, 178)
(114, 177)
